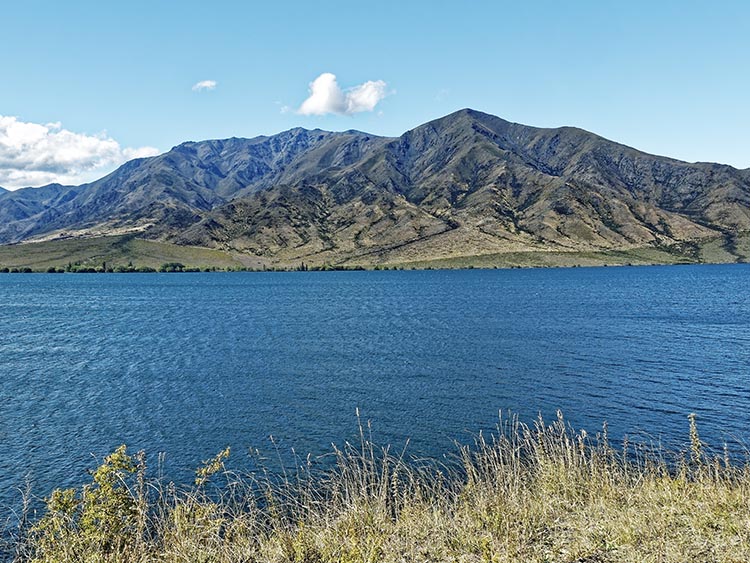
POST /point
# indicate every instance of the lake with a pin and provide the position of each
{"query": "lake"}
(187, 364)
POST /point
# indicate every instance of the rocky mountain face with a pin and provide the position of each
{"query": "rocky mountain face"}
(466, 184)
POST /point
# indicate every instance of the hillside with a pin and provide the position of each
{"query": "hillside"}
(466, 185)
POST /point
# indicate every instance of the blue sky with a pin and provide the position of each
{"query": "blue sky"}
(666, 77)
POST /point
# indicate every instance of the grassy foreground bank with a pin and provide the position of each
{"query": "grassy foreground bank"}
(530, 494)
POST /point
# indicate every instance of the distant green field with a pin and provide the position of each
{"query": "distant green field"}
(112, 251)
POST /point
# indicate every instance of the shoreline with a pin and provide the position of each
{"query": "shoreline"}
(198, 270)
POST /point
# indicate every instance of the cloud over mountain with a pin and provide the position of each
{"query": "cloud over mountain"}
(326, 96)
(34, 154)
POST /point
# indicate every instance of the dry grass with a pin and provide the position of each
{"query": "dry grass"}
(122, 249)
(540, 493)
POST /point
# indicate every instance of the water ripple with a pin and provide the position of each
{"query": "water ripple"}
(186, 364)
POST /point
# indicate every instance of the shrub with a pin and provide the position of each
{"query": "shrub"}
(104, 518)
(172, 267)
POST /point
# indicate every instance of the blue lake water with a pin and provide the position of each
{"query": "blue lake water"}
(188, 363)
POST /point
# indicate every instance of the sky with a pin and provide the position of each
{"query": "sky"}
(86, 85)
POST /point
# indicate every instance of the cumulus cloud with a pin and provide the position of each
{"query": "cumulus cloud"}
(204, 85)
(34, 154)
(326, 96)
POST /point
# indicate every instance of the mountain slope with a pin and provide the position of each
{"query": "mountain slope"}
(170, 191)
(466, 184)
(471, 183)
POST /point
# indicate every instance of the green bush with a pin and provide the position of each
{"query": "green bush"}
(106, 517)
(172, 267)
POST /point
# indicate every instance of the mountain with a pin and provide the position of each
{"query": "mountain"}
(167, 192)
(463, 185)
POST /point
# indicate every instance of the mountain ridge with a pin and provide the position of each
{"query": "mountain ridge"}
(468, 183)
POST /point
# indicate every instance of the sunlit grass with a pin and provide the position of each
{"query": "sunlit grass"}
(539, 493)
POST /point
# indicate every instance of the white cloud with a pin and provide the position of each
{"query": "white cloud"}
(326, 96)
(204, 85)
(33, 154)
